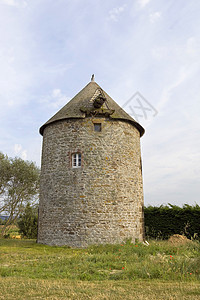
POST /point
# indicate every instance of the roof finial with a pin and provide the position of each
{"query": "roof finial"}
(92, 78)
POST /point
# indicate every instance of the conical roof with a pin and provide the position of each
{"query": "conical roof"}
(82, 105)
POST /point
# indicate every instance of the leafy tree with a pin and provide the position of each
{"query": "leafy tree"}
(28, 222)
(19, 185)
(5, 172)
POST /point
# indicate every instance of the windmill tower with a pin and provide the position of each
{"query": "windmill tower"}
(91, 178)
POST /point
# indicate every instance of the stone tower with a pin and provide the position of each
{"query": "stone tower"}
(91, 176)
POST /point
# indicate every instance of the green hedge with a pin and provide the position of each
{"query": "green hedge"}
(164, 221)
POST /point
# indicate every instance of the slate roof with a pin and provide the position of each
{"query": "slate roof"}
(83, 101)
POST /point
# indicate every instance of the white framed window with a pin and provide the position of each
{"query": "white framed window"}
(76, 160)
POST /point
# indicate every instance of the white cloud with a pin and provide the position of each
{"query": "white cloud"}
(115, 12)
(167, 91)
(143, 3)
(24, 154)
(9, 2)
(19, 151)
(172, 165)
(55, 100)
(17, 148)
(14, 2)
(15, 74)
(192, 46)
(155, 16)
(56, 93)
(60, 99)
(58, 69)
(159, 52)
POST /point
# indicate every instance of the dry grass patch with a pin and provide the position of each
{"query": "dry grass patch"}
(16, 288)
(178, 239)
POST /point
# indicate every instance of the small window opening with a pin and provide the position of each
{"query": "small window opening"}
(97, 127)
(76, 160)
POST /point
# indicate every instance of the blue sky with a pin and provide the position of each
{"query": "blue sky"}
(49, 50)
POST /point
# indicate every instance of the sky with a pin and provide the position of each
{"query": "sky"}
(144, 54)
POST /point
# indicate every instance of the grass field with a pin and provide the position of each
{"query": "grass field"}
(126, 271)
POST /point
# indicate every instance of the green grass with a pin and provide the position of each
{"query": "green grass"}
(37, 271)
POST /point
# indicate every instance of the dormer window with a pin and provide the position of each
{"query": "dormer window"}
(97, 127)
(76, 160)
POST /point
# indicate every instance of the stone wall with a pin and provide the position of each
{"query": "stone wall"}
(101, 202)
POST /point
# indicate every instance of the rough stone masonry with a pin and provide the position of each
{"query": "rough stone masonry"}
(91, 176)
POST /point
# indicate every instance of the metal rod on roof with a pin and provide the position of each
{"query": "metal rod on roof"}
(92, 78)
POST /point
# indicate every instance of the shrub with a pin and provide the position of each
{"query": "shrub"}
(28, 222)
(164, 221)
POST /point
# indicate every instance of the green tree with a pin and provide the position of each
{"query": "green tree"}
(28, 222)
(5, 174)
(19, 185)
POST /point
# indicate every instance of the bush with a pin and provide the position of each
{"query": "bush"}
(28, 222)
(164, 221)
